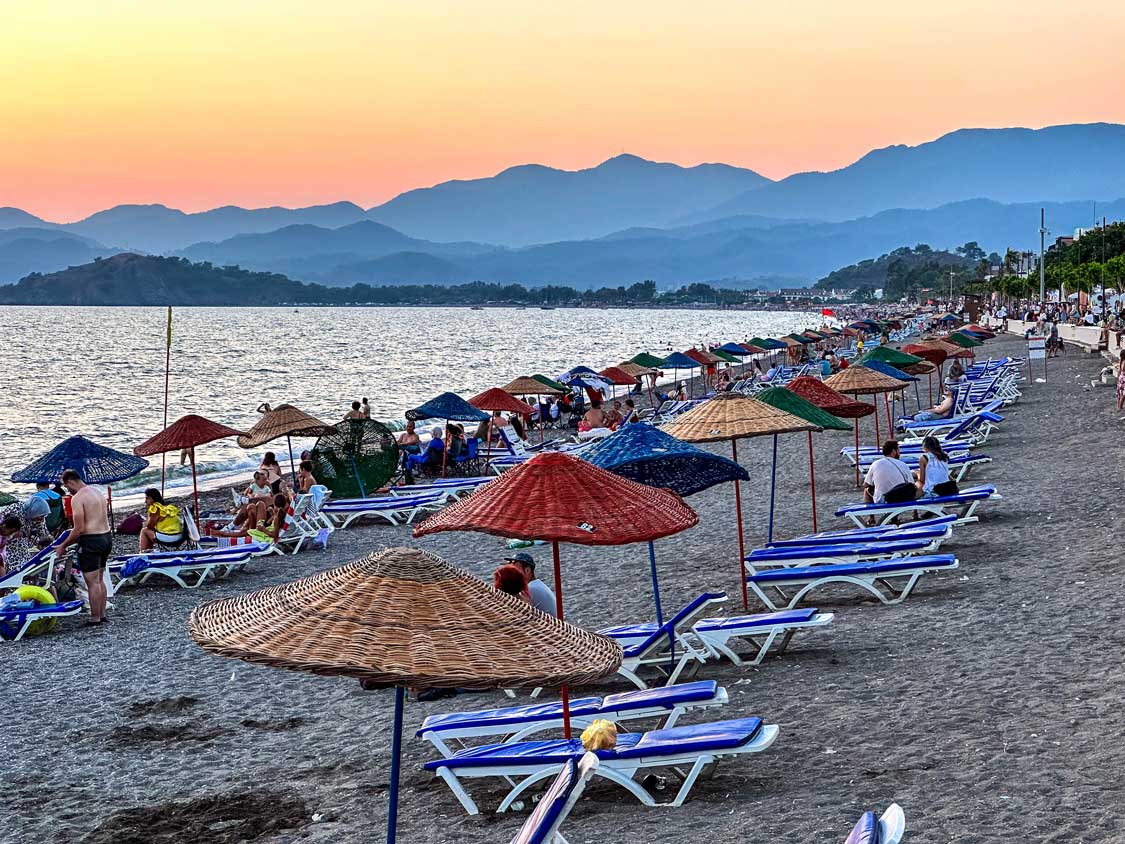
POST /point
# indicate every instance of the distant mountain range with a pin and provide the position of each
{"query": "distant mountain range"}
(629, 219)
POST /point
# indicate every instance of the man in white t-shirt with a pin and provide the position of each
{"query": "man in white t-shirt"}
(542, 598)
(885, 474)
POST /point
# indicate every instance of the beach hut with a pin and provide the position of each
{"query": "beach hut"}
(287, 421)
(450, 407)
(556, 497)
(793, 404)
(732, 416)
(651, 457)
(186, 433)
(403, 618)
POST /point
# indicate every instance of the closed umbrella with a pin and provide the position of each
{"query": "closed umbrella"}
(557, 497)
(398, 618)
(187, 432)
(732, 416)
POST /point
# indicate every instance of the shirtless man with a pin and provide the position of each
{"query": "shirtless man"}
(91, 534)
(355, 412)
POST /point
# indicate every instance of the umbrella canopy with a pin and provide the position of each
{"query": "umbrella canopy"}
(618, 376)
(403, 617)
(913, 364)
(649, 456)
(645, 359)
(963, 340)
(930, 353)
(980, 329)
(727, 356)
(820, 394)
(558, 497)
(731, 416)
(800, 338)
(949, 318)
(525, 385)
(281, 421)
(581, 370)
(679, 360)
(814, 335)
(563, 389)
(737, 349)
(753, 349)
(791, 342)
(630, 368)
(794, 405)
(887, 369)
(95, 464)
(862, 380)
(768, 343)
(701, 357)
(497, 398)
(952, 350)
(185, 433)
(447, 406)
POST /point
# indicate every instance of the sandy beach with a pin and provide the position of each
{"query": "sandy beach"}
(987, 704)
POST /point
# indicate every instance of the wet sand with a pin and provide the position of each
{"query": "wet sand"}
(987, 705)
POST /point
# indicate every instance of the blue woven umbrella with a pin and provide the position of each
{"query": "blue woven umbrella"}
(450, 407)
(677, 361)
(649, 456)
(897, 374)
(95, 464)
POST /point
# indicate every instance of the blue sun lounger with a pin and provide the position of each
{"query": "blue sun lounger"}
(187, 569)
(450, 488)
(759, 631)
(14, 623)
(986, 420)
(542, 826)
(516, 723)
(842, 552)
(891, 580)
(523, 764)
(939, 527)
(964, 504)
(395, 509)
(887, 829)
(36, 568)
(960, 463)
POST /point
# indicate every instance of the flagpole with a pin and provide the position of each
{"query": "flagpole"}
(167, 370)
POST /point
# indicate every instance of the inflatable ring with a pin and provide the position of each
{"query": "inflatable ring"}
(43, 598)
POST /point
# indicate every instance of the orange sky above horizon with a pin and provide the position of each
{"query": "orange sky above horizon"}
(293, 103)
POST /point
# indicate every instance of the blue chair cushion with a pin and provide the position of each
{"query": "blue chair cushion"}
(975, 493)
(931, 561)
(866, 830)
(889, 545)
(697, 738)
(662, 696)
(510, 715)
(554, 752)
(748, 622)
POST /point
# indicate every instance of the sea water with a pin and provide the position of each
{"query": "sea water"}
(100, 372)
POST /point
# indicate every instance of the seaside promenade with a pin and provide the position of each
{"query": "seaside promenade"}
(987, 704)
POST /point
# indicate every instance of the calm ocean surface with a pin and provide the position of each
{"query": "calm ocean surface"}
(99, 372)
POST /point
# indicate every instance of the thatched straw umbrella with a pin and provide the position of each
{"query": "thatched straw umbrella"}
(287, 421)
(535, 385)
(403, 618)
(818, 393)
(732, 416)
(862, 381)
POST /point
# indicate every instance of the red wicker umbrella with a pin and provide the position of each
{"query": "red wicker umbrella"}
(617, 377)
(186, 433)
(934, 355)
(560, 498)
(497, 399)
(824, 397)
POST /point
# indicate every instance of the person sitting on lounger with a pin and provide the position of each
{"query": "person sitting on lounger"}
(889, 480)
(510, 580)
(942, 410)
(258, 487)
(162, 522)
(538, 592)
(305, 478)
(933, 471)
(615, 417)
(430, 457)
(631, 415)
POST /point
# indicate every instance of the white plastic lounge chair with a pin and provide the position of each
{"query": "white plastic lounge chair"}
(963, 504)
(395, 509)
(516, 723)
(937, 527)
(542, 826)
(842, 552)
(38, 568)
(450, 488)
(891, 581)
(888, 829)
(960, 463)
(759, 631)
(14, 623)
(523, 764)
(187, 569)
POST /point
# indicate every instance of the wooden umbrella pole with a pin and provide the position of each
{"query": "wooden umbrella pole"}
(812, 481)
(565, 692)
(396, 763)
(289, 442)
(741, 541)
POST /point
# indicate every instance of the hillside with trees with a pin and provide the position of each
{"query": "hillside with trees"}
(905, 271)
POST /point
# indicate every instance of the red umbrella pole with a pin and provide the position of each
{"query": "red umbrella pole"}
(877, 437)
(930, 386)
(445, 450)
(542, 421)
(887, 407)
(741, 541)
(559, 609)
(812, 481)
(857, 452)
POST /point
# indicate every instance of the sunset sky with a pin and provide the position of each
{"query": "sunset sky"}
(293, 102)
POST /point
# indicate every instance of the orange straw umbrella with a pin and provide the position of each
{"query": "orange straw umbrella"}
(186, 433)
(495, 399)
(559, 498)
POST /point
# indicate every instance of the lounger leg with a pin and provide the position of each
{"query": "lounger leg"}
(689, 780)
(632, 678)
(524, 785)
(459, 791)
(764, 598)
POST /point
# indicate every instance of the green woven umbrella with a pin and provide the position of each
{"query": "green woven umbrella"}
(962, 340)
(645, 359)
(552, 383)
(793, 404)
(908, 363)
(727, 356)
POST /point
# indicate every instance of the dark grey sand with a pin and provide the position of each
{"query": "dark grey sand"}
(988, 704)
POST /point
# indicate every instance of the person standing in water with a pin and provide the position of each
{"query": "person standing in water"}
(91, 534)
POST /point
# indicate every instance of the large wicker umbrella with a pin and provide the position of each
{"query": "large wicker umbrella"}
(792, 403)
(536, 385)
(732, 416)
(649, 456)
(818, 393)
(402, 617)
(863, 381)
(287, 421)
(187, 432)
(494, 399)
(560, 498)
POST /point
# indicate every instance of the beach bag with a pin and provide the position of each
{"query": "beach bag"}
(946, 488)
(131, 525)
(901, 493)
